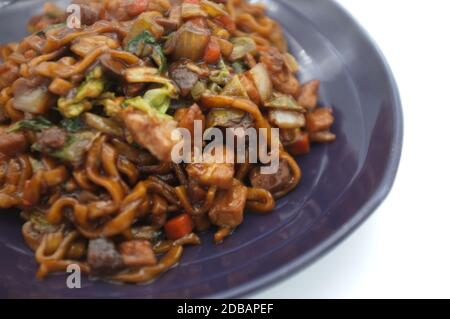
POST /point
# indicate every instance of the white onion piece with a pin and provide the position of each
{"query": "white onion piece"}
(262, 81)
(287, 119)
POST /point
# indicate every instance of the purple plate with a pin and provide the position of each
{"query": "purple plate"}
(342, 183)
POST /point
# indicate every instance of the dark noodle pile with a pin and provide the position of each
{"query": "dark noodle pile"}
(86, 120)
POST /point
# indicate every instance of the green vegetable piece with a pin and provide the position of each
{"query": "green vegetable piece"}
(235, 88)
(91, 88)
(285, 102)
(37, 124)
(238, 67)
(76, 146)
(222, 75)
(73, 124)
(198, 90)
(242, 46)
(138, 46)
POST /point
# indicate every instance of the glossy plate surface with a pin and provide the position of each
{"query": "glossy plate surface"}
(342, 182)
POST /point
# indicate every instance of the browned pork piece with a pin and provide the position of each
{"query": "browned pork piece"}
(228, 209)
(275, 182)
(152, 132)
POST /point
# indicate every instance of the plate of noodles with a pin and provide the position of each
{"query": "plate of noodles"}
(93, 97)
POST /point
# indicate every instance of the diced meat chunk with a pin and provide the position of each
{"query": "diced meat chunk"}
(272, 59)
(102, 257)
(137, 253)
(13, 143)
(183, 76)
(152, 132)
(319, 120)
(310, 96)
(272, 182)
(51, 139)
(213, 172)
(228, 209)
(283, 81)
(186, 118)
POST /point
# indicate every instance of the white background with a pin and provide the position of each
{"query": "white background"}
(403, 250)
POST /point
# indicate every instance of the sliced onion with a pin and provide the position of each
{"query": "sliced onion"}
(262, 81)
(192, 10)
(284, 102)
(287, 119)
(291, 63)
(141, 75)
(242, 46)
(235, 88)
(212, 8)
(103, 124)
(191, 42)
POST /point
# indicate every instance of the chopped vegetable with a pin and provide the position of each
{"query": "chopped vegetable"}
(145, 22)
(286, 119)
(73, 124)
(241, 47)
(112, 104)
(301, 145)
(198, 90)
(37, 124)
(102, 124)
(192, 10)
(222, 75)
(188, 35)
(262, 81)
(291, 63)
(76, 146)
(235, 88)
(91, 88)
(284, 102)
(138, 46)
(229, 118)
(213, 9)
(212, 52)
(154, 100)
(179, 227)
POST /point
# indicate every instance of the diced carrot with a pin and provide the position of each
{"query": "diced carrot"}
(179, 227)
(301, 146)
(212, 51)
(136, 7)
(226, 22)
